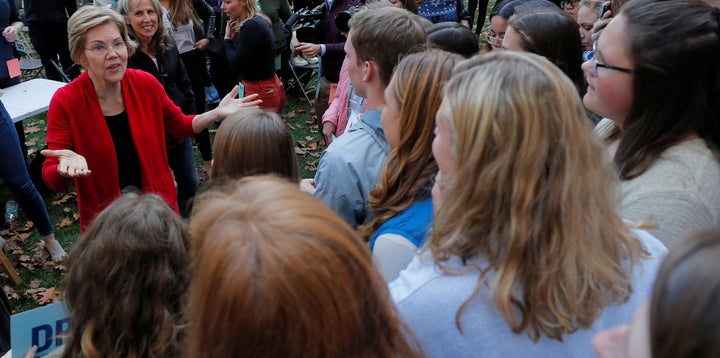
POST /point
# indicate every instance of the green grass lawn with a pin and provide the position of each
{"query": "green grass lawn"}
(41, 278)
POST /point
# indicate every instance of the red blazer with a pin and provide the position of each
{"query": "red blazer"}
(76, 122)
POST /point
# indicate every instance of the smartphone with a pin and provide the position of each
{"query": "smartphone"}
(602, 10)
(241, 90)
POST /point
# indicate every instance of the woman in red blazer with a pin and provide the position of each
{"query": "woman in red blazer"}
(106, 128)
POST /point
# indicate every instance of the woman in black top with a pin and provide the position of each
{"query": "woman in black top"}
(250, 50)
(158, 55)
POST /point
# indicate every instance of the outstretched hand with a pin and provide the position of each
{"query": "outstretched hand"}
(230, 104)
(71, 164)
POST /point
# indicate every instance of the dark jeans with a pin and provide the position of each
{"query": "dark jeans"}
(196, 67)
(182, 163)
(51, 42)
(14, 174)
(7, 82)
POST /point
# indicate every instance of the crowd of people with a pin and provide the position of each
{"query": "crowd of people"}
(551, 194)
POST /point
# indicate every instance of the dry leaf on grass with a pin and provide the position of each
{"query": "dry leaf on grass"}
(50, 295)
(63, 199)
(64, 222)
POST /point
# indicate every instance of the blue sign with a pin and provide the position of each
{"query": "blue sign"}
(41, 327)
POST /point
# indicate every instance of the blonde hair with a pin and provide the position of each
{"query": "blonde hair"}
(251, 10)
(278, 274)
(531, 197)
(87, 18)
(161, 40)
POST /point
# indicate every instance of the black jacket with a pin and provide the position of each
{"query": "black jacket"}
(172, 75)
(48, 11)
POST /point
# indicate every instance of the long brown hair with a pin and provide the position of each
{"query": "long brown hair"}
(417, 87)
(675, 50)
(253, 142)
(278, 274)
(126, 282)
(530, 197)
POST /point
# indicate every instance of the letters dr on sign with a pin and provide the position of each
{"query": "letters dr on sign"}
(42, 327)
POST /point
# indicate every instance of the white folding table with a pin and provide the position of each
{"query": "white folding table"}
(29, 98)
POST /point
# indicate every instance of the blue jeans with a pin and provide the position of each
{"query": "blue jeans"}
(14, 174)
(182, 162)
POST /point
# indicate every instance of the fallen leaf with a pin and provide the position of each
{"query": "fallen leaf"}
(25, 235)
(64, 222)
(33, 129)
(300, 151)
(34, 283)
(24, 258)
(62, 200)
(49, 296)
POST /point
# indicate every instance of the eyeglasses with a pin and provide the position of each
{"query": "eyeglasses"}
(565, 3)
(496, 40)
(101, 48)
(605, 65)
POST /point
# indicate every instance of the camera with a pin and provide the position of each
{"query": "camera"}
(305, 22)
(342, 19)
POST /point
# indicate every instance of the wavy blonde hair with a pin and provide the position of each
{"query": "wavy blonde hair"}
(410, 167)
(531, 197)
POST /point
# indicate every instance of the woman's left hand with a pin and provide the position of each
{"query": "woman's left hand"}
(10, 34)
(202, 44)
(230, 104)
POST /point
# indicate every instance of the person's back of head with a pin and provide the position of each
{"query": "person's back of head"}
(521, 147)
(453, 37)
(126, 281)
(384, 36)
(684, 319)
(277, 274)
(252, 142)
(553, 34)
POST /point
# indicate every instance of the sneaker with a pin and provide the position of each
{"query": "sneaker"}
(298, 61)
(56, 251)
(311, 60)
